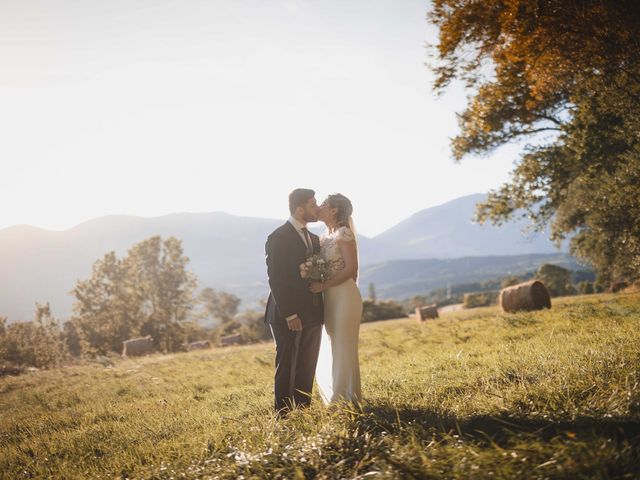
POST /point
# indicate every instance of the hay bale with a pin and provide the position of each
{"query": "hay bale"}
(199, 345)
(235, 339)
(428, 311)
(136, 347)
(11, 369)
(531, 295)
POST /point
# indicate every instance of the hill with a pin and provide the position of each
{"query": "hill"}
(473, 395)
(447, 231)
(227, 252)
(405, 278)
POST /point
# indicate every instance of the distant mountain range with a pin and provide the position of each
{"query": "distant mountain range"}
(406, 278)
(227, 252)
(446, 231)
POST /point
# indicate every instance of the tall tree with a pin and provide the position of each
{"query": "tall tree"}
(108, 307)
(164, 289)
(556, 278)
(372, 292)
(563, 75)
(220, 307)
(150, 291)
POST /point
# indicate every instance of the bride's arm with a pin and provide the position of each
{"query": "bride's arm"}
(350, 270)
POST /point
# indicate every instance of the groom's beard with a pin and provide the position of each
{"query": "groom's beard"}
(309, 218)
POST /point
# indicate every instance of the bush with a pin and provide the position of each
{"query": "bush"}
(510, 281)
(252, 327)
(479, 299)
(249, 324)
(599, 285)
(556, 279)
(383, 310)
(39, 343)
(585, 287)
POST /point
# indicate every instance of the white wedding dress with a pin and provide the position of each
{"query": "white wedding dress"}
(338, 370)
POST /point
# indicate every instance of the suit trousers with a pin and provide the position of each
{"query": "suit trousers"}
(296, 359)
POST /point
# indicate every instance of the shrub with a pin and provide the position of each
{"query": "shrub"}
(383, 310)
(585, 287)
(252, 327)
(39, 343)
(556, 279)
(510, 281)
(479, 299)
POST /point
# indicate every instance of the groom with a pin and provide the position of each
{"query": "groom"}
(295, 322)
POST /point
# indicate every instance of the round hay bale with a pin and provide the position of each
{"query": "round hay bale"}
(532, 295)
(429, 311)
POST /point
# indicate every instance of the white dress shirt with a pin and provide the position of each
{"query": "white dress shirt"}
(299, 226)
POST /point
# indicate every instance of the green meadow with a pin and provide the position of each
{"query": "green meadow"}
(475, 394)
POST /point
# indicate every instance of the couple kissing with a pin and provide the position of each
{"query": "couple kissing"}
(314, 307)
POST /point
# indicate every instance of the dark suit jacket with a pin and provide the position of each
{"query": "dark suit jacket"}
(290, 294)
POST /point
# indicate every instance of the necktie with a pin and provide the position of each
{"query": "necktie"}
(307, 241)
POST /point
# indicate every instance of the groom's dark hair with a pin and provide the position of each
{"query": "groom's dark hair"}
(299, 197)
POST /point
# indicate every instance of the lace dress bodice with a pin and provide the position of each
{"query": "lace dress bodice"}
(330, 250)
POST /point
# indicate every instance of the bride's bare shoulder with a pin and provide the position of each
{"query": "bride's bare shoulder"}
(345, 234)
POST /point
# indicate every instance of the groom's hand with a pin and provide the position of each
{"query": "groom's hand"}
(294, 323)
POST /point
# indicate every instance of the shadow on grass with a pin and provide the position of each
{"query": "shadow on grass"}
(413, 442)
(499, 429)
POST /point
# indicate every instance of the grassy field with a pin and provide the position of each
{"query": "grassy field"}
(475, 394)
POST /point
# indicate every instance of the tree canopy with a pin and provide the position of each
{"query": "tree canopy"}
(148, 292)
(564, 76)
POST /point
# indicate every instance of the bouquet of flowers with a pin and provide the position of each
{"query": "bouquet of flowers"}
(314, 269)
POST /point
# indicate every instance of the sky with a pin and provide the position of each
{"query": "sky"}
(151, 107)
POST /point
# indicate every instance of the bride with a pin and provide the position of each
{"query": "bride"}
(338, 370)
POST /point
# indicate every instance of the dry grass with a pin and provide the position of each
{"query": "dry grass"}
(475, 394)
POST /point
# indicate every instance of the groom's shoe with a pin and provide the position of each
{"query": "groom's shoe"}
(284, 407)
(283, 413)
(302, 399)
